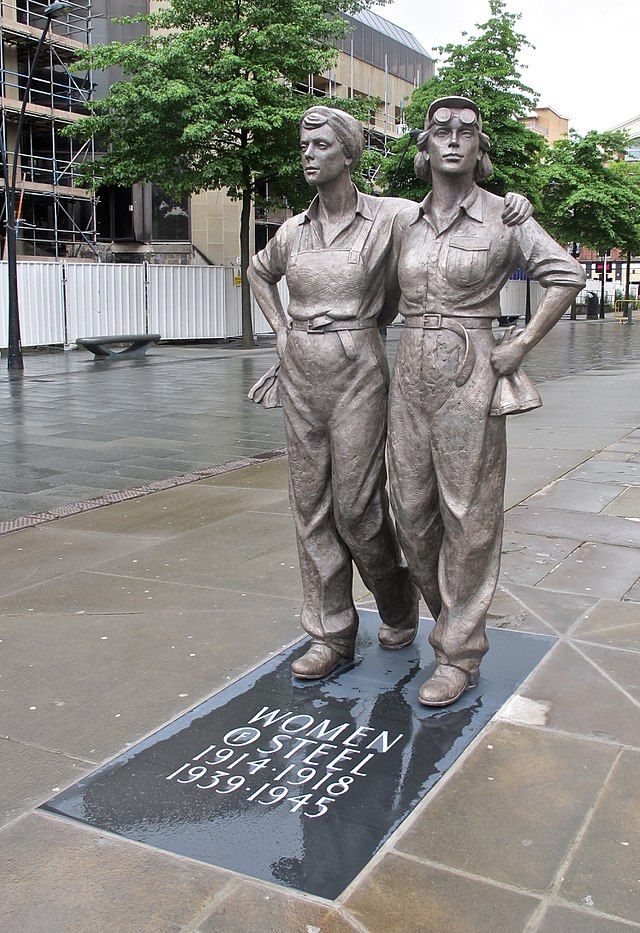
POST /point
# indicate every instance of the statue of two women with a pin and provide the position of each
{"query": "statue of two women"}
(352, 262)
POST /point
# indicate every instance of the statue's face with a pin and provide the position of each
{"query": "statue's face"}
(323, 158)
(454, 148)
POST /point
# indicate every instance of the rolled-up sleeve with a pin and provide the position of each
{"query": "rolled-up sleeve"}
(271, 262)
(546, 261)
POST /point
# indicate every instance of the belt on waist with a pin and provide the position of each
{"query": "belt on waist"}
(459, 326)
(324, 324)
(447, 322)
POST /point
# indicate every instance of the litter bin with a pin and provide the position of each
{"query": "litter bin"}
(592, 306)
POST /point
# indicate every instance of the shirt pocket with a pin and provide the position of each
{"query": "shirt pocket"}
(467, 259)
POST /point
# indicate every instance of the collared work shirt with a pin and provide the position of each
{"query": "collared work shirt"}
(344, 278)
(461, 269)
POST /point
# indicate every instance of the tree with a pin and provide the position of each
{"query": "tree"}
(485, 68)
(209, 100)
(590, 196)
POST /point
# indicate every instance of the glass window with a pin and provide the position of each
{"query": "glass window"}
(169, 219)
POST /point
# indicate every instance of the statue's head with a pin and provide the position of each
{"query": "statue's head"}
(453, 111)
(347, 129)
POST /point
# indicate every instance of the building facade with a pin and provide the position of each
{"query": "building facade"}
(547, 123)
(54, 217)
(131, 224)
(378, 60)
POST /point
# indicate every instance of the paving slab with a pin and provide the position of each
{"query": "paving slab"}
(599, 471)
(627, 504)
(576, 495)
(527, 559)
(403, 893)
(604, 870)
(182, 509)
(612, 623)
(249, 906)
(582, 526)
(253, 552)
(561, 919)
(30, 774)
(597, 569)
(512, 813)
(48, 551)
(534, 609)
(133, 671)
(49, 864)
(581, 698)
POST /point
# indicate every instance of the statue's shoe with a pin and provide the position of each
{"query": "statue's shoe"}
(319, 661)
(393, 637)
(446, 685)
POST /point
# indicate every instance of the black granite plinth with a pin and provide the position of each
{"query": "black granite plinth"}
(299, 783)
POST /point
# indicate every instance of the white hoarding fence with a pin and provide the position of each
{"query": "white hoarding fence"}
(61, 301)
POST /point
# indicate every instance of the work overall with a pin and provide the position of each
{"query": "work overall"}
(333, 387)
(447, 459)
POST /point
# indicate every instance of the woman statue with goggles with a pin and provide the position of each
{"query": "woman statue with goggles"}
(453, 384)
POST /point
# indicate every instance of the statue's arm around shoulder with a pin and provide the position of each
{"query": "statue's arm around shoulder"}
(403, 216)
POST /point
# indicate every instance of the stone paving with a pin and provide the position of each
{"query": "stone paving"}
(117, 619)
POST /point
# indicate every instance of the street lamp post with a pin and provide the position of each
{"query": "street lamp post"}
(14, 353)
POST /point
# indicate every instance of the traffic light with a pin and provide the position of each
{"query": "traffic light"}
(604, 268)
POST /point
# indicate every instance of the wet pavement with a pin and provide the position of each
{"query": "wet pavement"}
(73, 428)
(116, 621)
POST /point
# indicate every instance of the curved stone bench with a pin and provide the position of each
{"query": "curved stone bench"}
(134, 345)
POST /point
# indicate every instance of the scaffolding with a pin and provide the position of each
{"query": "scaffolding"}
(55, 217)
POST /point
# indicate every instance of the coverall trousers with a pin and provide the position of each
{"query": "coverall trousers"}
(447, 459)
(333, 389)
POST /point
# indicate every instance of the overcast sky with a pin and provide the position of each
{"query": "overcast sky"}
(586, 61)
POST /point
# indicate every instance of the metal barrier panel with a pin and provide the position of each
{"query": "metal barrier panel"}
(60, 302)
(260, 323)
(513, 298)
(186, 302)
(41, 302)
(104, 298)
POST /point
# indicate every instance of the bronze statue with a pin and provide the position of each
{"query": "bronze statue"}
(332, 383)
(452, 383)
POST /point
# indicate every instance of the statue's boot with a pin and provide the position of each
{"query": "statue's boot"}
(447, 685)
(322, 659)
(403, 633)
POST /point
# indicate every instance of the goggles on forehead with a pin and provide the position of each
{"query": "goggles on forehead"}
(444, 115)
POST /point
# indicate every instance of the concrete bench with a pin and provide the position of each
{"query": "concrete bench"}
(134, 345)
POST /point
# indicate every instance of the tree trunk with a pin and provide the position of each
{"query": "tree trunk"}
(245, 220)
(602, 281)
(628, 281)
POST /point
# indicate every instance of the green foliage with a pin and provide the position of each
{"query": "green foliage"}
(208, 100)
(590, 196)
(485, 68)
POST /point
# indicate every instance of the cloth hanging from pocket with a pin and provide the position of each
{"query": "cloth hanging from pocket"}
(515, 393)
(265, 391)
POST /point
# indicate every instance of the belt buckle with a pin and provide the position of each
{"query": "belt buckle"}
(432, 321)
(317, 326)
